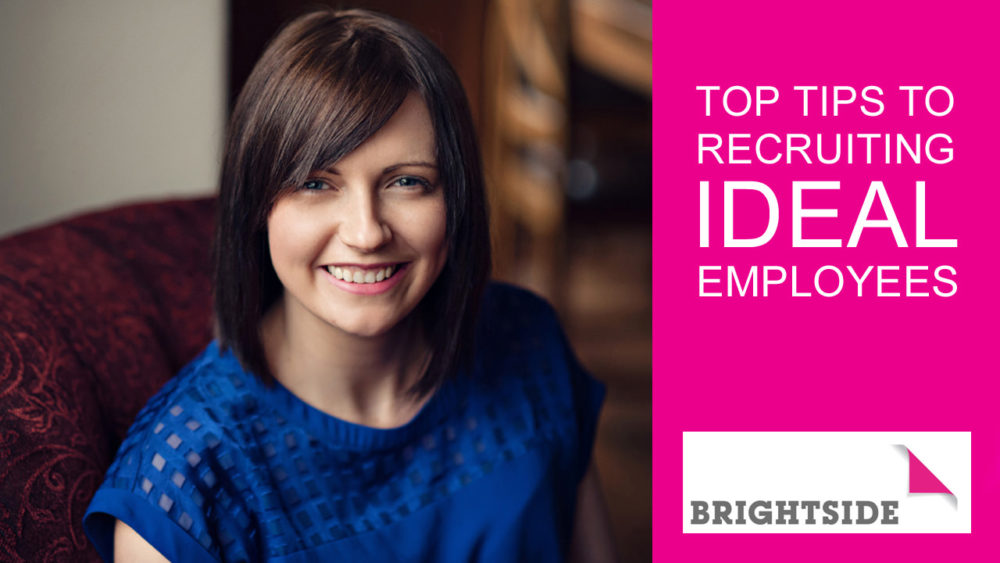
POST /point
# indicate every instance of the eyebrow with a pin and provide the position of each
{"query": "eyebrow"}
(388, 169)
(421, 163)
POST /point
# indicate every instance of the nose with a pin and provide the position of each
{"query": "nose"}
(362, 227)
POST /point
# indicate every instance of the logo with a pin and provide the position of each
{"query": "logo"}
(827, 482)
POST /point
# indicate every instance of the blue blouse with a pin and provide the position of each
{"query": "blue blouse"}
(219, 466)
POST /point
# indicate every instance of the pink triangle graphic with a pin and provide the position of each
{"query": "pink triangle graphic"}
(922, 480)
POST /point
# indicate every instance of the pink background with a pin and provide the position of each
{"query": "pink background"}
(843, 363)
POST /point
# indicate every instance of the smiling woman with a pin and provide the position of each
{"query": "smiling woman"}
(370, 396)
(326, 85)
(380, 211)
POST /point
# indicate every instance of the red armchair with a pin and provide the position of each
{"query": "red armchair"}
(96, 313)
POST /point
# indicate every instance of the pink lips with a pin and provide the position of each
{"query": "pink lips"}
(368, 288)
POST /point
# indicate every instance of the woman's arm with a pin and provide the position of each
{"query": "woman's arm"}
(129, 546)
(591, 542)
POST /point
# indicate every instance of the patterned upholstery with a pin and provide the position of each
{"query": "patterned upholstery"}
(96, 313)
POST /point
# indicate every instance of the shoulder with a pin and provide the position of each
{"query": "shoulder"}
(175, 462)
(204, 400)
(513, 314)
(519, 340)
(500, 296)
(522, 346)
(203, 415)
(528, 362)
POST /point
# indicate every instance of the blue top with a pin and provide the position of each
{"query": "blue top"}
(219, 466)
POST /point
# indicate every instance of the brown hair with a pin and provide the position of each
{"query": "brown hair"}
(325, 84)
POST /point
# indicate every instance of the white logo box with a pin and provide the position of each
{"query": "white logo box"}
(808, 467)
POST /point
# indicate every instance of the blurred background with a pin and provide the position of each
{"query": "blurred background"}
(108, 101)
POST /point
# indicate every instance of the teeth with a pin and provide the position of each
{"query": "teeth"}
(356, 275)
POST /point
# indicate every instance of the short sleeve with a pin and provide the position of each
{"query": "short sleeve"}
(165, 484)
(151, 488)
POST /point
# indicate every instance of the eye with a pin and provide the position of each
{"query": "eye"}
(411, 182)
(314, 185)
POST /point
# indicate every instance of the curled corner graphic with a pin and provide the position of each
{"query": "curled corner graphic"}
(922, 480)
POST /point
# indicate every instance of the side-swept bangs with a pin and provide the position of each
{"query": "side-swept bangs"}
(326, 83)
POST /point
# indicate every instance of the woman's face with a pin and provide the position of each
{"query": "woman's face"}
(359, 245)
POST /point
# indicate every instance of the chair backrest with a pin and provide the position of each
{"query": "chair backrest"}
(96, 313)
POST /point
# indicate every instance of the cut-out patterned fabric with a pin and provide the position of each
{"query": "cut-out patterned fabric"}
(221, 466)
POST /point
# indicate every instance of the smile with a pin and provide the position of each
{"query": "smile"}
(366, 280)
(360, 275)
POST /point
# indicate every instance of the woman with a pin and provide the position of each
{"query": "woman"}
(370, 397)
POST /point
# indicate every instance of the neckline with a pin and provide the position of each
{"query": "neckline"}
(336, 432)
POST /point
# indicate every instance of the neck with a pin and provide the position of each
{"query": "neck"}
(360, 379)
